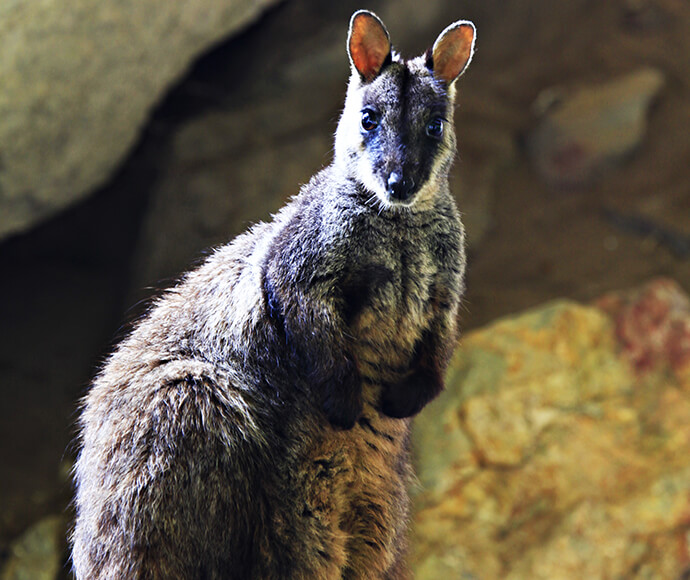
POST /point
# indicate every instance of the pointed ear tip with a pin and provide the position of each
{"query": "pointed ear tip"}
(358, 23)
(354, 18)
(358, 14)
(466, 28)
(362, 14)
(463, 23)
(472, 31)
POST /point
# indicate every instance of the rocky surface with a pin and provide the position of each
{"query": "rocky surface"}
(78, 82)
(38, 554)
(582, 133)
(653, 327)
(555, 454)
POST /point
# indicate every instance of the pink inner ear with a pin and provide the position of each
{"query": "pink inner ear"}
(369, 46)
(452, 53)
(368, 60)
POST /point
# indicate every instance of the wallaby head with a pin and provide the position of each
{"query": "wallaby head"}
(396, 136)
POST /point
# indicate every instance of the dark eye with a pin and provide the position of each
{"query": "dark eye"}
(435, 128)
(370, 119)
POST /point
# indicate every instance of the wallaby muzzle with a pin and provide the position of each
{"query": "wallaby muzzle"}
(399, 187)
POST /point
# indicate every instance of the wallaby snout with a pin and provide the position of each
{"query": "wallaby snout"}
(399, 187)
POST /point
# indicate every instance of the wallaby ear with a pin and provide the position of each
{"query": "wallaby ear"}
(452, 51)
(368, 44)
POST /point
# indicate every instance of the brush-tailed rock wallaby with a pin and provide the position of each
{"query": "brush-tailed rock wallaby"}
(255, 423)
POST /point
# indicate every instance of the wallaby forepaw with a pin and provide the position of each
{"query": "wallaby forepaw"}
(410, 396)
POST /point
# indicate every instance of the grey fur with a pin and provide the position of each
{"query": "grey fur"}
(255, 422)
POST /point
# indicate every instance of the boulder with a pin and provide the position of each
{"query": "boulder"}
(554, 454)
(38, 553)
(77, 83)
(586, 130)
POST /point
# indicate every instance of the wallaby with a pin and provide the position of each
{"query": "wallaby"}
(255, 423)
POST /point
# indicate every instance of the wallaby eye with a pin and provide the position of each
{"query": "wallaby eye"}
(370, 119)
(435, 128)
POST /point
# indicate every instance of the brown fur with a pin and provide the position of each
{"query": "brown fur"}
(256, 423)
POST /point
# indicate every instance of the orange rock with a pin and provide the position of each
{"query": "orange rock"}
(550, 456)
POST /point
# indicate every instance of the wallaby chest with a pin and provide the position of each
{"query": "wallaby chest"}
(391, 294)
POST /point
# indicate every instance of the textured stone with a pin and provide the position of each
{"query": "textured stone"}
(581, 133)
(38, 553)
(550, 456)
(489, 153)
(653, 326)
(204, 200)
(77, 82)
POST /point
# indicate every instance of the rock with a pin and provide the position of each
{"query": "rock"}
(580, 134)
(78, 81)
(652, 326)
(645, 15)
(38, 553)
(550, 457)
(474, 178)
(236, 164)
(206, 199)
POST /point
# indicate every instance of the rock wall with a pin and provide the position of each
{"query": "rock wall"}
(78, 80)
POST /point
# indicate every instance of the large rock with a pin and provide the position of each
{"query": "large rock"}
(581, 133)
(555, 454)
(38, 553)
(77, 81)
(219, 181)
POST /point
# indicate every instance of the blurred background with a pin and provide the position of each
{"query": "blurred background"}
(135, 135)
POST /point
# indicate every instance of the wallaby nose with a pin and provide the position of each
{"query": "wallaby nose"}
(398, 187)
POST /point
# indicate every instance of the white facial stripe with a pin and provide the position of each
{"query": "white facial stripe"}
(366, 177)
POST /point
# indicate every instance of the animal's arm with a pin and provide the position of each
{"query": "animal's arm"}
(312, 333)
(432, 354)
